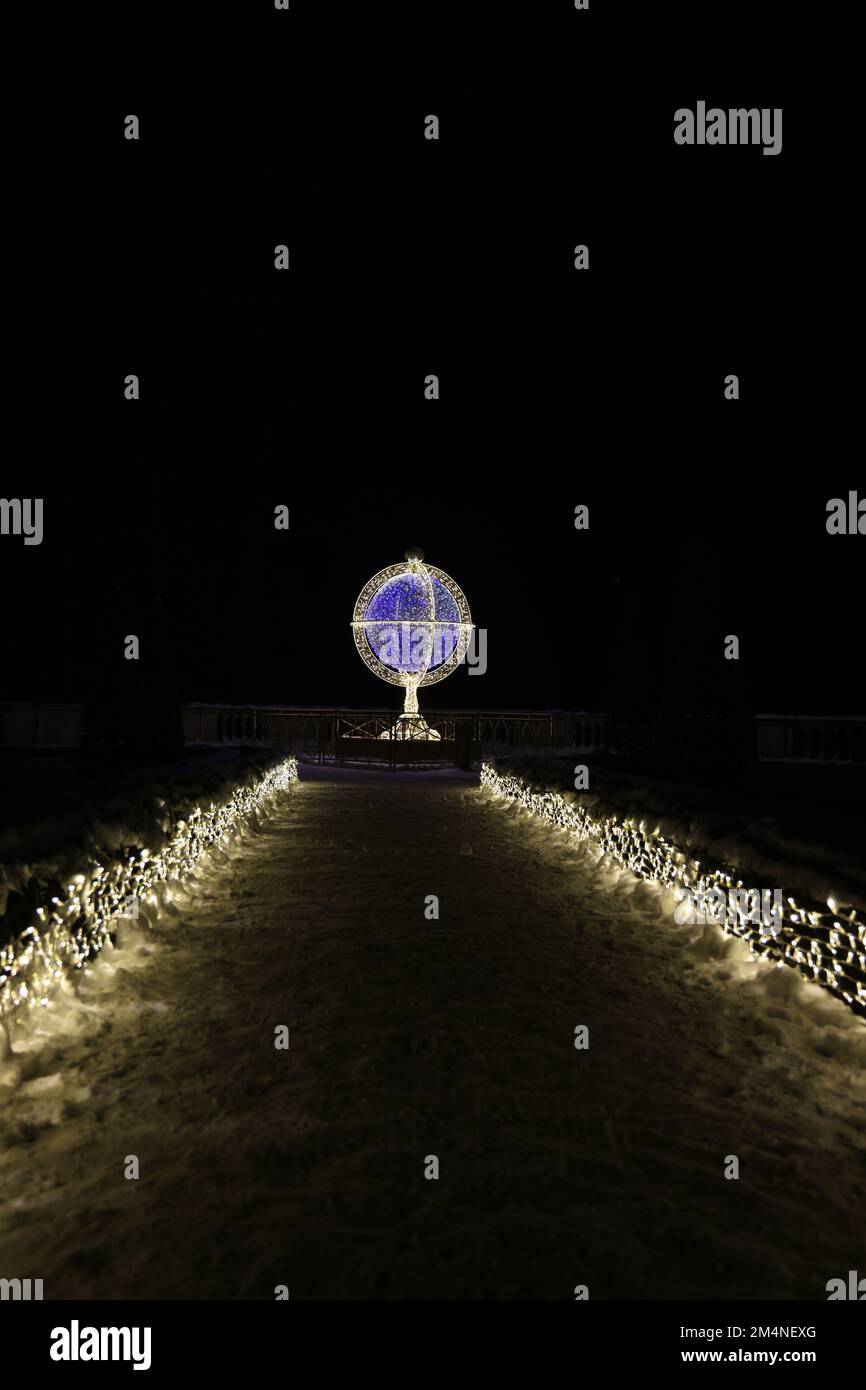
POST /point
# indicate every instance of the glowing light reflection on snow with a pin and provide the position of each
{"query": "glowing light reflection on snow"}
(72, 931)
(828, 951)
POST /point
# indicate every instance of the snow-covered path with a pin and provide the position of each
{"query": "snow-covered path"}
(412, 1037)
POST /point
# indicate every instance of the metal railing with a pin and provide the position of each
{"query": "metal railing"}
(327, 732)
(776, 738)
(345, 735)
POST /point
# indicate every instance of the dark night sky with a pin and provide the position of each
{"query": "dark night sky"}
(558, 388)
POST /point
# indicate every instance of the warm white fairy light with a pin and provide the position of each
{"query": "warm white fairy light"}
(830, 951)
(428, 662)
(73, 930)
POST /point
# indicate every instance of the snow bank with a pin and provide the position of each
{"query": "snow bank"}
(122, 871)
(826, 949)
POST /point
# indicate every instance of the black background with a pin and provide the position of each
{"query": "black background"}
(455, 257)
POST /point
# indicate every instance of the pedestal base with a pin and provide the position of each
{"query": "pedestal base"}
(412, 726)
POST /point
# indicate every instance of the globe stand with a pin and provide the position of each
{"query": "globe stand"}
(401, 607)
(411, 724)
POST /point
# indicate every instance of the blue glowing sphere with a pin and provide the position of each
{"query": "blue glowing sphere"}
(412, 623)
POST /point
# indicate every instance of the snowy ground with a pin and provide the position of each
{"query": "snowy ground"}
(412, 1037)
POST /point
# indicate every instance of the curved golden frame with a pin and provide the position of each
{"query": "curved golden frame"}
(411, 680)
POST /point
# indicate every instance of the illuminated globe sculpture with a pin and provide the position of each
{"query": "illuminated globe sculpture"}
(412, 626)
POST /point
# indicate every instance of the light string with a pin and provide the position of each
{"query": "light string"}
(827, 949)
(71, 931)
